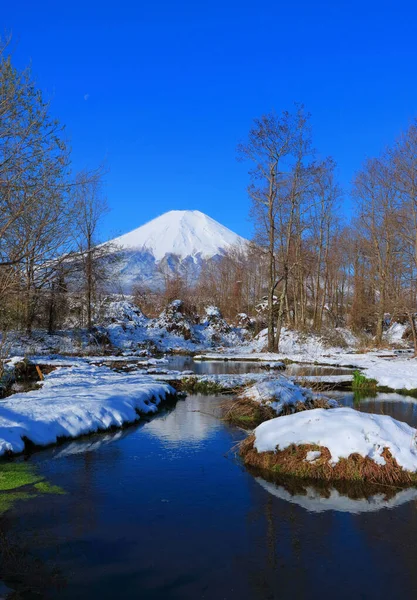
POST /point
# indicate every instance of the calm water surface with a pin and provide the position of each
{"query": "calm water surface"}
(231, 367)
(165, 511)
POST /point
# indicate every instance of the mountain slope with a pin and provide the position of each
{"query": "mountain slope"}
(183, 233)
(177, 242)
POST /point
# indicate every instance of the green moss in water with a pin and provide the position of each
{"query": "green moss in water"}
(47, 488)
(15, 475)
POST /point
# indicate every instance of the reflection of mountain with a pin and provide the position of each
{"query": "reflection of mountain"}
(316, 501)
(191, 421)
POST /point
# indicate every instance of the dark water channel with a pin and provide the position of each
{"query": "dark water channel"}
(164, 510)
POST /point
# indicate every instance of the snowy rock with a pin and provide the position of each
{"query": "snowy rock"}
(215, 324)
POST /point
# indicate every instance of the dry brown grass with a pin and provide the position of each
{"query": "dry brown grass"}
(291, 461)
(249, 414)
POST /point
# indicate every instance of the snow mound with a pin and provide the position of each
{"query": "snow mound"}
(283, 394)
(122, 312)
(174, 319)
(343, 431)
(183, 233)
(214, 320)
(395, 333)
(75, 401)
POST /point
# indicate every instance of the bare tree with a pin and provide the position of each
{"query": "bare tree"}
(277, 146)
(90, 206)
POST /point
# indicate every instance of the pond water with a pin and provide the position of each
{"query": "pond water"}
(231, 367)
(164, 510)
(403, 408)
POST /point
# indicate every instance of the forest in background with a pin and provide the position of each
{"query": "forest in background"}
(306, 268)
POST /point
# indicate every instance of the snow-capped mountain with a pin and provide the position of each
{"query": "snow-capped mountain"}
(179, 241)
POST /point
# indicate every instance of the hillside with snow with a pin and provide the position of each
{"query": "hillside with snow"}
(177, 242)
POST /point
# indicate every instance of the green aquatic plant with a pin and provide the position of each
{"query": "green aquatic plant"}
(360, 382)
(17, 474)
(20, 481)
(44, 487)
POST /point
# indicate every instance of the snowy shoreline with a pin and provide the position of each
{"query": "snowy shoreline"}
(77, 400)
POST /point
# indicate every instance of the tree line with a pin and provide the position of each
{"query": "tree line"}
(49, 216)
(308, 266)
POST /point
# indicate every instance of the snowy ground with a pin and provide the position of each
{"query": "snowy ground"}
(77, 400)
(343, 431)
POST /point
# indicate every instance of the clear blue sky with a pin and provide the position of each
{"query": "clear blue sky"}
(164, 91)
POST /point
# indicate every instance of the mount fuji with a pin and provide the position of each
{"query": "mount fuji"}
(178, 242)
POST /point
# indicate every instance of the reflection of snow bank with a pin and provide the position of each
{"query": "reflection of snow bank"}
(88, 445)
(313, 501)
(75, 401)
(343, 431)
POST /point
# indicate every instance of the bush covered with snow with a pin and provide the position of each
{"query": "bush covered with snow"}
(176, 319)
(121, 312)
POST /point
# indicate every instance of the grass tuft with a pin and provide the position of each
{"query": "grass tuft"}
(362, 383)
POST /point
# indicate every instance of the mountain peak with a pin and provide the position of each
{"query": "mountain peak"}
(183, 233)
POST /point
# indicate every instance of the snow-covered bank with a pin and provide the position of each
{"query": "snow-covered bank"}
(77, 400)
(343, 432)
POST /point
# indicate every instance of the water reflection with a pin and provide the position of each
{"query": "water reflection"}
(231, 367)
(318, 500)
(402, 408)
(192, 421)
